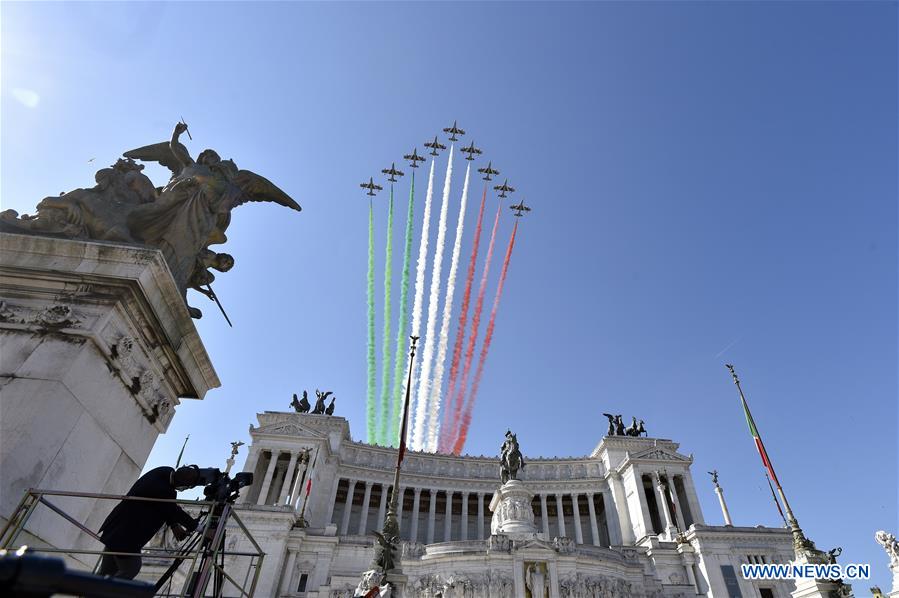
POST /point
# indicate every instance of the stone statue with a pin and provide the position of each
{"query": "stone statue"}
(329, 410)
(611, 419)
(300, 406)
(320, 402)
(535, 580)
(385, 549)
(832, 555)
(182, 219)
(633, 429)
(511, 459)
(891, 546)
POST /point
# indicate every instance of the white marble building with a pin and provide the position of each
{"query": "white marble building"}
(622, 521)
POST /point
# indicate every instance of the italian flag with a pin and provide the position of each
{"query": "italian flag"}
(759, 445)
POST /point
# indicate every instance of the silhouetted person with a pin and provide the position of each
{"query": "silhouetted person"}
(132, 523)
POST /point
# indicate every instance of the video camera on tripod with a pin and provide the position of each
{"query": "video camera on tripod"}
(219, 487)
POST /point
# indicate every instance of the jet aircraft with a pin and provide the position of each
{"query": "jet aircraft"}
(471, 150)
(520, 209)
(392, 173)
(488, 171)
(414, 158)
(371, 186)
(453, 131)
(435, 145)
(504, 188)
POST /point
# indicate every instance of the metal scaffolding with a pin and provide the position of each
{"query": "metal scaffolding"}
(203, 557)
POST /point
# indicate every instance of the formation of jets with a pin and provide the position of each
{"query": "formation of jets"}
(504, 188)
(435, 147)
(520, 209)
(371, 186)
(392, 173)
(413, 158)
(453, 131)
(471, 150)
(487, 171)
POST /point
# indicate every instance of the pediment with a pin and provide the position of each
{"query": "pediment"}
(288, 429)
(659, 454)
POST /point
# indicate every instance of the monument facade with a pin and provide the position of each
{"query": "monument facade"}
(623, 520)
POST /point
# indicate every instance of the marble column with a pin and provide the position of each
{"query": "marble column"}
(413, 531)
(678, 514)
(366, 503)
(250, 466)
(576, 510)
(594, 528)
(544, 515)
(464, 534)
(613, 527)
(269, 474)
(480, 516)
(287, 574)
(724, 512)
(347, 509)
(670, 530)
(622, 510)
(432, 516)
(286, 486)
(448, 517)
(382, 507)
(332, 503)
(560, 516)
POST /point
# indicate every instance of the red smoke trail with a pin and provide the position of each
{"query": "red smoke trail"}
(473, 335)
(445, 440)
(488, 336)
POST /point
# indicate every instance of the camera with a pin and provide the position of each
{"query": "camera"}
(220, 487)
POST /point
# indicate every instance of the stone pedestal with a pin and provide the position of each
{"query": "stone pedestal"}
(512, 512)
(97, 349)
(815, 588)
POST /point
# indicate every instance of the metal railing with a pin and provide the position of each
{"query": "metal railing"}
(204, 551)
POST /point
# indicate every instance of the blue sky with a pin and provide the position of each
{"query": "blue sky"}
(710, 182)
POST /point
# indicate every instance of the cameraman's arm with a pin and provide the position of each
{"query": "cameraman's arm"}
(179, 516)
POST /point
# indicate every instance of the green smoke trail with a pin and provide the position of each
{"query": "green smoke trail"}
(370, 404)
(384, 424)
(402, 326)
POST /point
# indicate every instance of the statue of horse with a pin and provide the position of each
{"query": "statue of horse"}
(511, 460)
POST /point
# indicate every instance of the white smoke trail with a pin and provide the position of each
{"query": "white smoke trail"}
(443, 339)
(427, 354)
(420, 272)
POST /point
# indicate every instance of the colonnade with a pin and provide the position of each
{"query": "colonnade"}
(431, 515)
(282, 482)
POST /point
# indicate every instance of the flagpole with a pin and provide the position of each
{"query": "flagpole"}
(801, 544)
(391, 524)
(181, 454)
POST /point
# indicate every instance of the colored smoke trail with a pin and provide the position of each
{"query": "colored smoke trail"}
(445, 443)
(473, 335)
(443, 338)
(384, 409)
(427, 355)
(399, 359)
(488, 336)
(420, 270)
(371, 428)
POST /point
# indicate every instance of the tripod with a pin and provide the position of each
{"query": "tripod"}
(211, 538)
